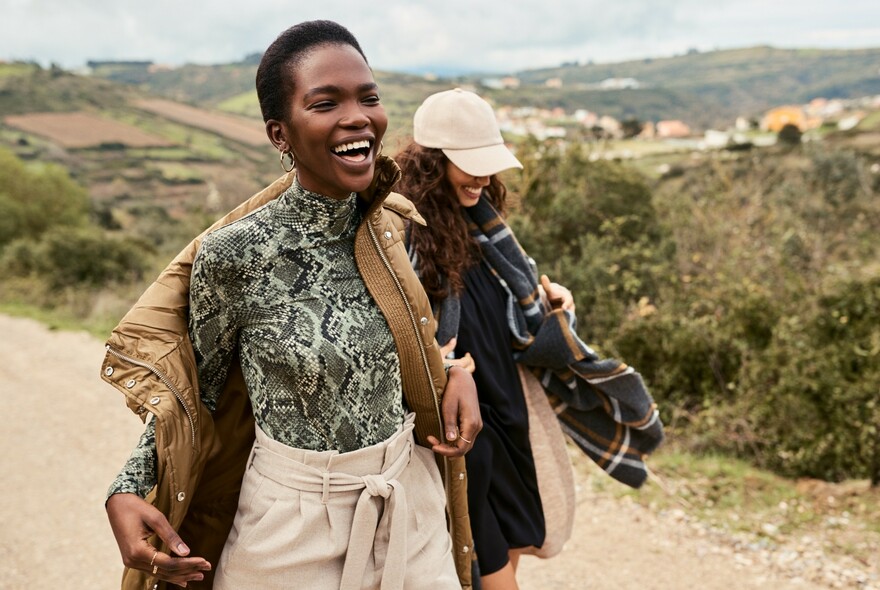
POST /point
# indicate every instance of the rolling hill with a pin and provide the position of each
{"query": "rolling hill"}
(197, 152)
(704, 89)
(138, 155)
(707, 89)
(230, 88)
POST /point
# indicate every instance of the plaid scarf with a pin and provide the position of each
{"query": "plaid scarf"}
(602, 404)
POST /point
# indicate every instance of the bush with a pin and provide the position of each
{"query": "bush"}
(33, 199)
(839, 176)
(790, 134)
(745, 291)
(592, 227)
(65, 257)
(816, 401)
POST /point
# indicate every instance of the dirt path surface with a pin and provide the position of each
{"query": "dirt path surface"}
(64, 434)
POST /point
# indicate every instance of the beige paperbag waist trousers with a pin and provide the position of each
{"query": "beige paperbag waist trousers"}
(371, 518)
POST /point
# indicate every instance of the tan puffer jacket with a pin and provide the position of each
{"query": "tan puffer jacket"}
(201, 456)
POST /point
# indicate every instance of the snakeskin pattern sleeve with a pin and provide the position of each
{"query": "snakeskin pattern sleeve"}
(138, 475)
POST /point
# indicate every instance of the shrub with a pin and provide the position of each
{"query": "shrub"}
(839, 176)
(592, 227)
(790, 134)
(33, 199)
(746, 292)
(65, 257)
(815, 400)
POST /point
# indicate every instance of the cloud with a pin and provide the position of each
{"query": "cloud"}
(419, 35)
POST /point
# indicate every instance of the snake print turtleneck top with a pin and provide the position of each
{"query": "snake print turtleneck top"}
(317, 355)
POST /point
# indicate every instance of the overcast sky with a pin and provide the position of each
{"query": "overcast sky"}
(450, 36)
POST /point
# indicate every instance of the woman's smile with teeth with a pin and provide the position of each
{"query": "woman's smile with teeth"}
(468, 187)
(354, 151)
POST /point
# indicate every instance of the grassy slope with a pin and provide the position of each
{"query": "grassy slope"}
(29, 89)
(230, 88)
(728, 83)
(704, 89)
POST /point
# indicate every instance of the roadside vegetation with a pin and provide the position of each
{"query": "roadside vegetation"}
(746, 291)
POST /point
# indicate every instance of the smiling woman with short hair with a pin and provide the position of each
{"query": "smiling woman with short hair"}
(302, 311)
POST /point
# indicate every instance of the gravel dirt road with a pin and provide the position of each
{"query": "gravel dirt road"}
(64, 434)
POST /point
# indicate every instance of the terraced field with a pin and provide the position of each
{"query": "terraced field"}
(247, 131)
(84, 130)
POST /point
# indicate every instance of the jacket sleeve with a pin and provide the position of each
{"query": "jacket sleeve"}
(213, 337)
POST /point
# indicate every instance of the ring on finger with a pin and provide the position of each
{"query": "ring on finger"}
(470, 442)
(155, 569)
(152, 559)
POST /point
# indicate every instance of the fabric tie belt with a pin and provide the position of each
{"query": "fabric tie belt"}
(381, 506)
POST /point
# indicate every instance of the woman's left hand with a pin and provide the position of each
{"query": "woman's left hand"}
(558, 296)
(466, 362)
(461, 415)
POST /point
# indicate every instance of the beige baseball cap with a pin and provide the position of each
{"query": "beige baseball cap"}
(463, 125)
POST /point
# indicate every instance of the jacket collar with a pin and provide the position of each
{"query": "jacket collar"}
(385, 177)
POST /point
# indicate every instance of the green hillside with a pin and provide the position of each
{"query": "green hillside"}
(704, 89)
(710, 88)
(230, 87)
(195, 84)
(27, 88)
(132, 186)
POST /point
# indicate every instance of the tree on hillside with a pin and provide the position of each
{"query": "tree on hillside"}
(35, 198)
(790, 134)
(46, 236)
(631, 126)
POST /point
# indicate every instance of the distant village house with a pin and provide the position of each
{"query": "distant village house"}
(673, 128)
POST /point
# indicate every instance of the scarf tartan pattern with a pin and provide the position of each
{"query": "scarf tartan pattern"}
(602, 404)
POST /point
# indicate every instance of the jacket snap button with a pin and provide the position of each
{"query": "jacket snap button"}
(461, 476)
(108, 371)
(130, 383)
(424, 321)
(155, 400)
(388, 235)
(465, 549)
(141, 409)
(181, 496)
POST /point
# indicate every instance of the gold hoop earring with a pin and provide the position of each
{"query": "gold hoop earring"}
(292, 161)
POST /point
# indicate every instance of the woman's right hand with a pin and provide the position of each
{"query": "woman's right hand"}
(134, 521)
(466, 362)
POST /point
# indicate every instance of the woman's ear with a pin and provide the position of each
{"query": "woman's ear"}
(275, 131)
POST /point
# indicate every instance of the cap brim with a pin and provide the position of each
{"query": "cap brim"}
(483, 161)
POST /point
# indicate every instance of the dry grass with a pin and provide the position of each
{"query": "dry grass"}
(734, 496)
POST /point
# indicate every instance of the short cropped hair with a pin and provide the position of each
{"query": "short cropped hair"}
(274, 82)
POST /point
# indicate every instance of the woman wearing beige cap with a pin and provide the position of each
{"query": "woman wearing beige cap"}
(450, 172)
(535, 377)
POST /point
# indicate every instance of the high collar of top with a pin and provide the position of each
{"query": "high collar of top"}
(314, 215)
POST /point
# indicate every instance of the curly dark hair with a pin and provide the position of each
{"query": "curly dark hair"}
(445, 248)
(274, 80)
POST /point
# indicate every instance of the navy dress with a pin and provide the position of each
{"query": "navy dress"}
(503, 500)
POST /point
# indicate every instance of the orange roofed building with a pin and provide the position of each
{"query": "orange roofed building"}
(775, 119)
